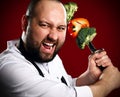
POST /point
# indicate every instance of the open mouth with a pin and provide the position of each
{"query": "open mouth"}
(48, 47)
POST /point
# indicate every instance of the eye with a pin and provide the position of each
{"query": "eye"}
(61, 28)
(44, 25)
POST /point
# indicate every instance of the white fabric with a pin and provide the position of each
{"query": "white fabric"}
(23, 80)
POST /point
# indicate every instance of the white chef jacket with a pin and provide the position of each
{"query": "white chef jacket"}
(22, 79)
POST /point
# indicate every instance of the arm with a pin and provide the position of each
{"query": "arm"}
(100, 82)
(109, 80)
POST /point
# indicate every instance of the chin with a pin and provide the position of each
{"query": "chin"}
(46, 58)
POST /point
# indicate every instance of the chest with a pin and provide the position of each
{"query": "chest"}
(54, 72)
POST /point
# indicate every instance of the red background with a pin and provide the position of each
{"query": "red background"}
(102, 14)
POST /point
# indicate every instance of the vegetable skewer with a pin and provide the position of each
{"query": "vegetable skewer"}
(84, 35)
(79, 29)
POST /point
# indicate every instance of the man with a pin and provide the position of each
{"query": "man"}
(30, 67)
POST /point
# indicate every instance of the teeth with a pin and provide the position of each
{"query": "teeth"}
(49, 44)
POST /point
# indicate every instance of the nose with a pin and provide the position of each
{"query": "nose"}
(53, 34)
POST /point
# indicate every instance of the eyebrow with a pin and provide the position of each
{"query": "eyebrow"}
(42, 21)
(63, 26)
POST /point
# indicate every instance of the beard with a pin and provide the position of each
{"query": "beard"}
(36, 55)
(33, 49)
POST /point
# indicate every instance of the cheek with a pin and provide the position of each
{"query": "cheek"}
(38, 35)
(62, 38)
(37, 31)
(64, 35)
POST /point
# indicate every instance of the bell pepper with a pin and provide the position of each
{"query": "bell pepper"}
(76, 24)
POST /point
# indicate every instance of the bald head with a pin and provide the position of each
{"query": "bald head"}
(37, 6)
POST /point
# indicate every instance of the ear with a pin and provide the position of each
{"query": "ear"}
(24, 22)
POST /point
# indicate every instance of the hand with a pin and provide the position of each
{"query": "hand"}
(92, 74)
(95, 60)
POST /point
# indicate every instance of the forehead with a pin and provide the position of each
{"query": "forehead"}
(48, 5)
(50, 9)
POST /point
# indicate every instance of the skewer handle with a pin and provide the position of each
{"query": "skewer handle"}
(94, 50)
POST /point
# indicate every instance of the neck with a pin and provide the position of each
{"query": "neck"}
(22, 49)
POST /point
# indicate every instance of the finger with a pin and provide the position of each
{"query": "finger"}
(99, 50)
(101, 54)
(105, 57)
(104, 61)
(97, 55)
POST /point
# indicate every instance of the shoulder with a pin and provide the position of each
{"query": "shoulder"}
(10, 56)
(13, 64)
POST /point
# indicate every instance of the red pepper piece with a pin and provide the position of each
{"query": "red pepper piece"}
(76, 24)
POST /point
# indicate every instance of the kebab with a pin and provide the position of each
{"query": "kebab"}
(80, 29)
